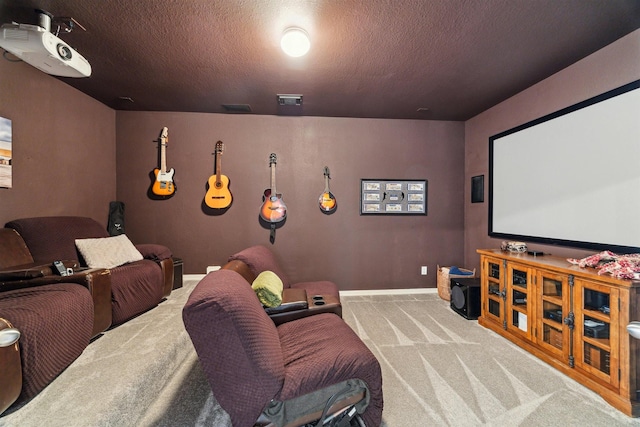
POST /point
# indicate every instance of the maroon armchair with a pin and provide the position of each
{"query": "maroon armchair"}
(54, 316)
(296, 304)
(260, 258)
(261, 373)
(18, 270)
(10, 366)
(55, 323)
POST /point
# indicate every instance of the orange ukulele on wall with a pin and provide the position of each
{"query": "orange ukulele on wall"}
(218, 195)
(327, 201)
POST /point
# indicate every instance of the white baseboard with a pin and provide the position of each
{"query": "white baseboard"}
(359, 292)
(362, 292)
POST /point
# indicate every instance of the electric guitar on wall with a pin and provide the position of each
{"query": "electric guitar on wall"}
(327, 201)
(163, 184)
(273, 209)
(218, 195)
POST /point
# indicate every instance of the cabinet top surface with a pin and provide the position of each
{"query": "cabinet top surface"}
(558, 264)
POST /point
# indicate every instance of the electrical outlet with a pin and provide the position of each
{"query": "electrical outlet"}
(423, 270)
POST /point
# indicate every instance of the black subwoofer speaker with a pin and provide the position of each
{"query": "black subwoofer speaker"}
(465, 297)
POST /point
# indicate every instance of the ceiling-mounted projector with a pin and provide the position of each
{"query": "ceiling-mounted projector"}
(37, 46)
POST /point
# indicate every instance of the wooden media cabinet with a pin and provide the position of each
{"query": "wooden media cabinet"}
(570, 317)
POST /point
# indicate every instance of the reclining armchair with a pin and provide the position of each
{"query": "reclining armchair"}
(295, 302)
(10, 367)
(260, 258)
(300, 372)
(18, 270)
(55, 316)
(55, 323)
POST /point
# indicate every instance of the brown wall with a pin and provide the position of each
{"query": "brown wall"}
(64, 154)
(357, 252)
(65, 157)
(611, 67)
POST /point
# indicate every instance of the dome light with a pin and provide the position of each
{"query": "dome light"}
(295, 42)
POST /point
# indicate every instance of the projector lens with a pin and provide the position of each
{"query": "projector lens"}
(64, 52)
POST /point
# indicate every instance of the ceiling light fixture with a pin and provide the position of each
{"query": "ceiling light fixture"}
(295, 42)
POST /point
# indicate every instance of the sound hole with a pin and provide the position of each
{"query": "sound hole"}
(457, 297)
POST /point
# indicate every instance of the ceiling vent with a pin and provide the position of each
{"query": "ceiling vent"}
(289, 105)
(290, 100)
(237, 108)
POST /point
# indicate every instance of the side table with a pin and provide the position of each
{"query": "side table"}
(177, 272)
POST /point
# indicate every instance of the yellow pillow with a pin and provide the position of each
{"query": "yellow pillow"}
(268, 287)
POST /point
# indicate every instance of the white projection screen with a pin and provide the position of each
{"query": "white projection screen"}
(571, 178)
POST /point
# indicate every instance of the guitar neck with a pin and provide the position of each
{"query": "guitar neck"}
(163, 156)
(218, 162)
(326, 179)
(273, 180)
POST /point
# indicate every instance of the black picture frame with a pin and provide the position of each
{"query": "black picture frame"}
(393, 196)
(477, 189)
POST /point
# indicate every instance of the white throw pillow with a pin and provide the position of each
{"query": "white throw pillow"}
(108, 252)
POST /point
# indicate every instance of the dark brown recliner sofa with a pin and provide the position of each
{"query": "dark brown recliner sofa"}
(298, 299)
(295, 303)
(260, 258)
(135, 287)
(56, 316)
(10, 366)
(18, 270)
(55, 323)
(268, 375)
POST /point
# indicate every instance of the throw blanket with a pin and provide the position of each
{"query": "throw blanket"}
(619, 266)
(268, 288)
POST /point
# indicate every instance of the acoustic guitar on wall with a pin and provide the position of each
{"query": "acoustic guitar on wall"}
(273, 209)
(218, 195)
(327, 200)
(163, 184)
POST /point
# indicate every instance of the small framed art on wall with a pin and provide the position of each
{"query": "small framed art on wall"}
(393, 197)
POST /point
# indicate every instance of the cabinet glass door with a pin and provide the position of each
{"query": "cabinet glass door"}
(552, 333)
(597, 339)
(518, 302)
(492, 289)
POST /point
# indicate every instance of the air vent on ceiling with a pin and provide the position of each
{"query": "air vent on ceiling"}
(289, 105)
(237, 108)
(290, 100)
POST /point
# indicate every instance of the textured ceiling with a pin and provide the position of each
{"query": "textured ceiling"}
(369, 58)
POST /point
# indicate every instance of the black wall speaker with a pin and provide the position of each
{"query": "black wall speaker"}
(465, 297)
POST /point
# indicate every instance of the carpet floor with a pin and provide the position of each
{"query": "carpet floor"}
(142, 373)
(438, 369)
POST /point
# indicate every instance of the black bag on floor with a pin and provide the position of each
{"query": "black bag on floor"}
(115, 226)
